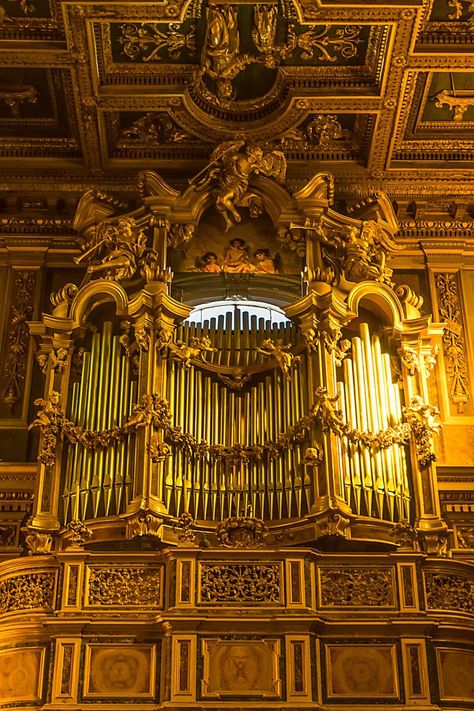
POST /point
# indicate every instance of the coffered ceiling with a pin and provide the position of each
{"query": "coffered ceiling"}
(378, 93)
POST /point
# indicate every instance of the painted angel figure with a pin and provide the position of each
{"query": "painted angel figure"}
(236, 257)
(266, 264)
(230, 168)
(208, 263)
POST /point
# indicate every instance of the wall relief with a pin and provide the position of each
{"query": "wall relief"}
(21, 674)
(119, 671)
(456, 674)
(240, 667)
(361, 671)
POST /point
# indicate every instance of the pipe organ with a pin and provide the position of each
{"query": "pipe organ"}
(236, 513)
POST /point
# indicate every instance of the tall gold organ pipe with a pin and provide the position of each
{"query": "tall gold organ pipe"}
(362, 417)
(124, 390)
(373, 415)
(383, 387)
(69, 476)
(355, 457)
(91, 406)
(343, 447)
(112, 402)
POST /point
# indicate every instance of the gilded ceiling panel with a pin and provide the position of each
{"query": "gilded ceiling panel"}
(378, 91)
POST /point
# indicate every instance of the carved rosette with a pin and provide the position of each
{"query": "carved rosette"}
(240, 583)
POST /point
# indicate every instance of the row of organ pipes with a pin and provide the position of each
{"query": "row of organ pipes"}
(375, 484)
(98, 483)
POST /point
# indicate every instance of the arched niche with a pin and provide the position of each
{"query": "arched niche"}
(378, 299)
(94, 295)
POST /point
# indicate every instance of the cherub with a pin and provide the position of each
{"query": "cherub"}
(425, 414)
(180, 351)
(325, 411)
(236, 380)
(276, 349)
(236, 257)
(208, 263)
(231, 166)
(313, 455)
(266, 264)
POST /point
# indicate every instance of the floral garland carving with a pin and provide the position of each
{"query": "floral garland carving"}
(153, 411)
(52, 421)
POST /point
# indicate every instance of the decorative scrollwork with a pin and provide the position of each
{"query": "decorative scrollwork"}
(14, 96)
(465, 536)
(183, 527)
(240, 583)
(154, 129)
(27, 592)
(78, 533)
(315, 43)
(449, 592)
(459, 104)
(17, 345)
(147, 40)
(356, 587)
(453, 340)
(121, 587)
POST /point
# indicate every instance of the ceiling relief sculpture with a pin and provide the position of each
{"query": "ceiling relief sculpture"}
(95, 91)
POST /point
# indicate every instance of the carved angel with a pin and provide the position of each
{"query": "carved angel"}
(116, 249)
(180, 351)
(230, 168)
(324, 409)
(366, 252)
(276, 349)
(221, 58)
